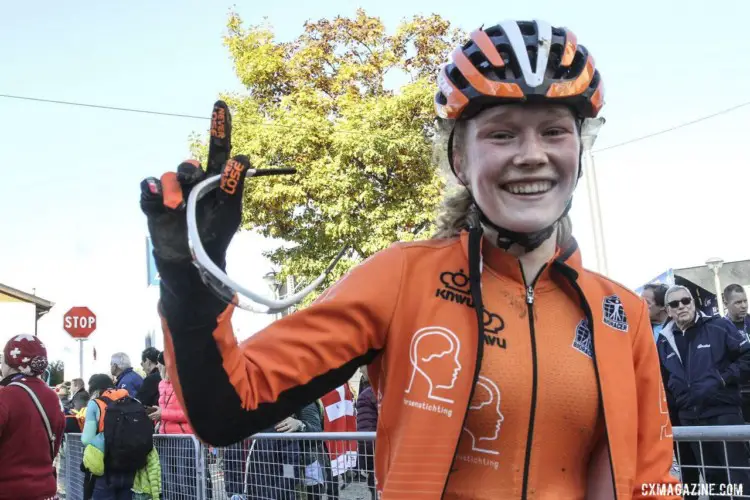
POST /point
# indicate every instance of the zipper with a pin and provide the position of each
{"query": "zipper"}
(532, 415)
(590, 319)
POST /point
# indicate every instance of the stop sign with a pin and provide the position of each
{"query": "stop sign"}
(79, 322)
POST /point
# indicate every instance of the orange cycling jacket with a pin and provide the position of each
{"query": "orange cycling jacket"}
(404, 308)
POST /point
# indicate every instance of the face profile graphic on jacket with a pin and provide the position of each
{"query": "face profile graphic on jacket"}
(434, 355)
(484, 429)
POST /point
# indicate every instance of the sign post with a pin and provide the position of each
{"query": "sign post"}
(79, 322)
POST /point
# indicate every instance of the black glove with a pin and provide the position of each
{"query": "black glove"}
(218, 214)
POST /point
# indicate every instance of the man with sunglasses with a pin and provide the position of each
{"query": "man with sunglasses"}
(705, 360)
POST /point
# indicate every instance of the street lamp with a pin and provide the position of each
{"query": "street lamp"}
(270, 280)
(590, 131)
(714, 264)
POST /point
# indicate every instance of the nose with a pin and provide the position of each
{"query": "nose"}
(531, 152)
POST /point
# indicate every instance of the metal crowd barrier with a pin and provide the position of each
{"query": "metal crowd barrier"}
(713, 461)
(326, 466)
(292, 466)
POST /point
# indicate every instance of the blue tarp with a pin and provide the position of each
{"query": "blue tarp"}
(153, 274)
(667, 277)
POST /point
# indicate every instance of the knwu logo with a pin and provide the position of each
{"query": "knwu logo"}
(493, 324)
(455, 288)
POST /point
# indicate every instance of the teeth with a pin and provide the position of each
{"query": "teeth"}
(529, 187)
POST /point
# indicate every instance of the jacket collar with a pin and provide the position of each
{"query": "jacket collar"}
(669, 330)
(668, 333)
(746, 321)
(124, 372)
(509, 266)
(10, 378)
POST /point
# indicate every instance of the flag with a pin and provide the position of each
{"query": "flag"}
(338, 416)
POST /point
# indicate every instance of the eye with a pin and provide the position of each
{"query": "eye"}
(502, 135)
(555, 132)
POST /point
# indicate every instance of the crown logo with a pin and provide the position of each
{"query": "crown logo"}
(493, 323)
(458, 282)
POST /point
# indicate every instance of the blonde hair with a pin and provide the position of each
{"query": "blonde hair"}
(456, 213)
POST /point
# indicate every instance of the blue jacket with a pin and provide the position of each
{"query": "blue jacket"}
(746, 328)
(130, 381)
(707, 382)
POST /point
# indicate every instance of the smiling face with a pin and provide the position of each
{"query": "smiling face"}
(520, 162)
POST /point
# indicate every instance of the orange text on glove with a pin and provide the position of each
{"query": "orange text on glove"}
(697, 489)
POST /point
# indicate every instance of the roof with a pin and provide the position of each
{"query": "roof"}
(730, 272)
(42, 306)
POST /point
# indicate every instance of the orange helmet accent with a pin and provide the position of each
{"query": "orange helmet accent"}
(571, 45)
(517, 62)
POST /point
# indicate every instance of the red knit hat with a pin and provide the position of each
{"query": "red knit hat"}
(27, 354)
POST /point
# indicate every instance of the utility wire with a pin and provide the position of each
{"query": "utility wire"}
(99, 106)
(195, 117)
(670, 129)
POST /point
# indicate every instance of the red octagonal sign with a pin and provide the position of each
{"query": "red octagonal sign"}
(79, 322)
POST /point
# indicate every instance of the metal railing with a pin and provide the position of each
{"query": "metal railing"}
(713, 461)
(313, 466)
(325, 466)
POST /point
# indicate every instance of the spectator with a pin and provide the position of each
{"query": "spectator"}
(116, 486)
(80, 396)
(179, 459)
(148, 394)
(736, 302)
(276, 464)
(314, 457)
(27, 447)
(367, 421)
(705, 360)
(125, 377)
(653, 294)
(63, 394)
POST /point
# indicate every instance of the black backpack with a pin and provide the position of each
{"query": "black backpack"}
(128, 435)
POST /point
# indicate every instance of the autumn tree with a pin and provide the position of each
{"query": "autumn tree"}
(363, 151)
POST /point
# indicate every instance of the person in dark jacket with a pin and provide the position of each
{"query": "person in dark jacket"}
(125, 377)
(367, 421)
(705, 360)
(80, 397)
(735, 299)
(26, 451)
(653, 294)
(276, 465)
(148, 394)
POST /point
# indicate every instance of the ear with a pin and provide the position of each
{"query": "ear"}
(458, 168)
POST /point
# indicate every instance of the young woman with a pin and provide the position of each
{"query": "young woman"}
(502, 368)
(178, 466)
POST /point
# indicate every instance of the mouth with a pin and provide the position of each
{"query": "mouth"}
(529, 188)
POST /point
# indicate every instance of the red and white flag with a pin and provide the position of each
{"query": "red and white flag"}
(338, 416)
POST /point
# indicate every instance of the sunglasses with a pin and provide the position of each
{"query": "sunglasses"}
(676, 303)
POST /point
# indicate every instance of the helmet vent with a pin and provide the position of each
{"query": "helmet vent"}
(527, 28)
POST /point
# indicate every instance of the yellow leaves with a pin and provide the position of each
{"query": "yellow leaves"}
(363, 152)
